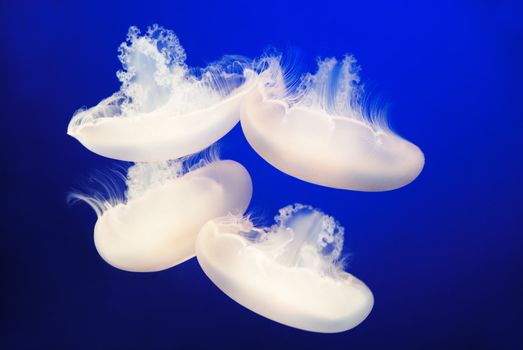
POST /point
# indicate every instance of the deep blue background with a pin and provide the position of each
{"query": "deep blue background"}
(443, 256)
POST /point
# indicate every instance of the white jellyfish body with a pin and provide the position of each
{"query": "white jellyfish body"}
(290, 273)
(319, 132)
(164, 110)
(155, 227)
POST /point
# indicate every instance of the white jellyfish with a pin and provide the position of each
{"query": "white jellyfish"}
(290, 273)
(155, 226)
(164, 109)
(317, 130)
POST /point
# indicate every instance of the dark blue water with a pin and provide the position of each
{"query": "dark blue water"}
(443, 256)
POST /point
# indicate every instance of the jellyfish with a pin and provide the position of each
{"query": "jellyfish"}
(316, 129)
(164, 109)
(155, 224)
(290, 272)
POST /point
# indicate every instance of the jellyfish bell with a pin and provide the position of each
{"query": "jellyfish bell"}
(155, 226)
(290, 273)
(164, 109)
(319, 132)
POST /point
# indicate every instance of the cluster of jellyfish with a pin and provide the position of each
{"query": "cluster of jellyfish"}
(182, 201)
